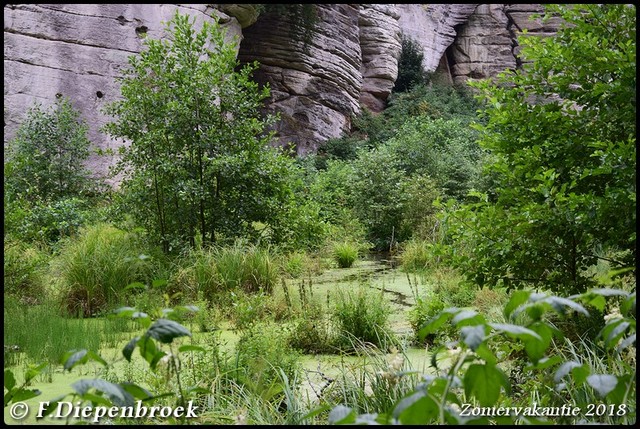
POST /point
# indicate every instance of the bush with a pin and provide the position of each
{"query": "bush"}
(44, 160)
(445, 150)
(97, 266)
(424, 310)
(410, 71)
(361, 314)
(248, 309)
(46, 222)
(312, 335)
(345, 254)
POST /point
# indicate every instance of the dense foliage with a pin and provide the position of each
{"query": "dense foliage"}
(266, 257)
(46, 184)
(562, 140)
(410, 71)
(199, 164)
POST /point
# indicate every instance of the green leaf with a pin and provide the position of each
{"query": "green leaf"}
(602, 383)
(97, 358)
(467, 318)
(136, 391)
(25, 394)
(158, 283)
(127, 351)
(9, 380)
(630, 340)
(516, 331)
(615, 333)
(473, 336)
(416, 409)
(518, 298)
(434, 324)
(117, 394)
(341, 415)
(75, 358)
(34, 371)
(484, 382)
(559, 305)
(485, 353)
(135, 285)
(165, 330)
(565, 369)
(544, 363)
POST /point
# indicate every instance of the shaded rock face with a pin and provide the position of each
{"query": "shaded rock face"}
(317, 85)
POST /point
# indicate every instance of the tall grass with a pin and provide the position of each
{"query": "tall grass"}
(345, 254)
(374, 382)
(362, 314)
(24, 266)
(97, 266)
(416, 255)
(40, 333)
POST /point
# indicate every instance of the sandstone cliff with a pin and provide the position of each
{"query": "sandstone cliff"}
(318, 85)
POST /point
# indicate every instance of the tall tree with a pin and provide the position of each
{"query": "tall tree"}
(199, 160)
(561, 134)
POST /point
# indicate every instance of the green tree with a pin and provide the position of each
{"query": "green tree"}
(410, 72)
(199, 161)
(561, 135)
(44, 162)
(48, 190)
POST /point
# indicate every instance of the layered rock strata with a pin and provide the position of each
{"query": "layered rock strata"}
(319, 79)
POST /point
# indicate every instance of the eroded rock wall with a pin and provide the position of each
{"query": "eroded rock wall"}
(318, 85)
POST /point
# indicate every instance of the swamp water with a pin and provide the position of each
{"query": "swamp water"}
(379, 274)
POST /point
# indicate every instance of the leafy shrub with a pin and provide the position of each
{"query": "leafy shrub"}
(47, 222)
(361, 314)
(419, 192)
(248, 309)
(489, 301)
(452, 289)
(345, 254)
(45, 158)
(97, 266)
(305, 229)
(410, 71)
(445, 150)
(424, 310)
(312, 334)
(416, 255)
(376, 194)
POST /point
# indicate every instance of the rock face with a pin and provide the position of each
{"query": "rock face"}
(315, 84)
(380, 44)
(434, 27)
(318, 83)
